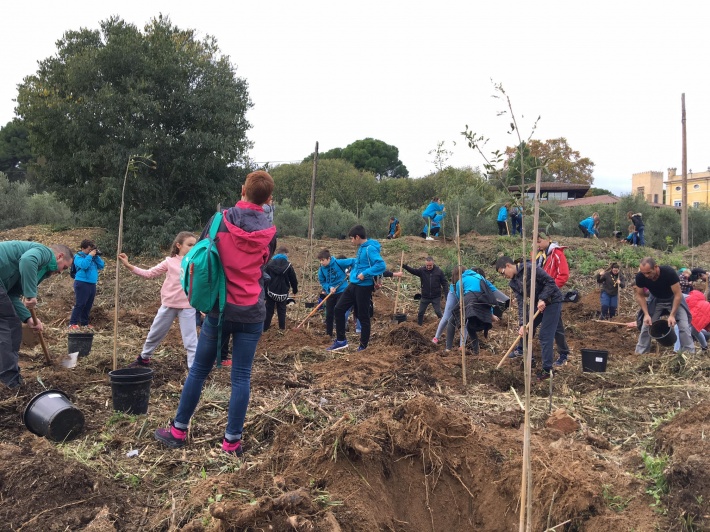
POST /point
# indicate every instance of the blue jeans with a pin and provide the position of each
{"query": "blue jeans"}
(551, 330)
(640, 240)
(245, 337)
(84, 293)
(609, 301)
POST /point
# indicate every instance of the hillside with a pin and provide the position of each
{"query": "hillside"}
(387, 439)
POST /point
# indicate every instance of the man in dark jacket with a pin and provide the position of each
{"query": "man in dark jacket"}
(282, 279)
(433, 284)
(549, 303)
(23, 265)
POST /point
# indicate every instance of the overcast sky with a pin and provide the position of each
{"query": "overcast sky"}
(606, 75)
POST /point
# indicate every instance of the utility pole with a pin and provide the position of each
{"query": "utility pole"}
(684, 191)
(313, 195)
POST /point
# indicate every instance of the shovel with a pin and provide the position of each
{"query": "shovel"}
(67, 362)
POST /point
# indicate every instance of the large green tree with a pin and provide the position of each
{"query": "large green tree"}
(559, 161)
(15, 151)
(118, 91)
(371, 155)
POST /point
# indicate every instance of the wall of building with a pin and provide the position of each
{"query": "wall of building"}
(649, 185)
(698, 188)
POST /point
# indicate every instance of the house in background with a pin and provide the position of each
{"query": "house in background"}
(649, 185)
(553, 191)
(698, 188)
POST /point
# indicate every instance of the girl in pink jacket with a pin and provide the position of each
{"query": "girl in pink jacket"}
(173, 300)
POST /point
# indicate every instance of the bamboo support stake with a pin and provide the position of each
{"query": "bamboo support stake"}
(314, 310)
(461, 303)
(118, 266)
(399, 280)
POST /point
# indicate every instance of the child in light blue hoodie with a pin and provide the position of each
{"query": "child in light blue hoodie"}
(88, 263)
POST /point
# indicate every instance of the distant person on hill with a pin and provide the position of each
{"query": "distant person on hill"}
(590, 226)
(394, 230)
(244, 241)
(549, 303)
(639, 227)
(23, 265)
(433, 283)
(282, 278)
(516, 220)
(435, 227)
(87, 263)
(503, 220)
(631, 237)
(173, 301)
(610, 280)
(665, 297)
(435, 207)
(367, 265)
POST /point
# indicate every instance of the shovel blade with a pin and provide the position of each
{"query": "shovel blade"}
(69, 361)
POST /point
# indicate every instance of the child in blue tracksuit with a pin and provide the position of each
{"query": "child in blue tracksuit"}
(88, 263)
(331, 276)
(590, 226)
(435, 207)
(478, 308)
(502, 220)
(365, 267)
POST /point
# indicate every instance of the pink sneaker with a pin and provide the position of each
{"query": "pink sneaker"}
(233, 448)
(435, 340)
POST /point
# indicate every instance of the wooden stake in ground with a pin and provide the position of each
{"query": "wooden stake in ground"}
(461, 304)
(399, 280)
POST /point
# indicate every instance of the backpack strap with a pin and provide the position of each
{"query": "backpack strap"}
(222, 301)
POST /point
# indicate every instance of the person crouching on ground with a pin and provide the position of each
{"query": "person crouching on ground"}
(478, 302)
(549, 303)
(365, 267)
(244, 240)
(665, 296)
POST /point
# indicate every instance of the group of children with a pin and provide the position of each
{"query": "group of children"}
(515, 213)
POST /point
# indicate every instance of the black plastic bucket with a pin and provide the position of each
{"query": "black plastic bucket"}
(130, 389)
(399, 318)
(309, 304)
(81, 343)
(662, 333)
(53, 415)
(594, 360)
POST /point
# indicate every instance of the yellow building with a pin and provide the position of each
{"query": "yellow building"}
(698, 188)
(649, 185)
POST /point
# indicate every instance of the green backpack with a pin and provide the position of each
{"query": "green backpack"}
(201, 273)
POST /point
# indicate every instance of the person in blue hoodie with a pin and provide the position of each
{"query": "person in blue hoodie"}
(435, 207)
(503, 220)
(331, 276)
(88, 263)
(435, 227)
(590, 226)
(367, 265)
(394, 230)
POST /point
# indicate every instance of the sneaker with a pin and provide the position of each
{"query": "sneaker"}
(358, 330)
(561, 361)
(430, 238)
(543, 374)
(475, 346)
(227, 362)
(361, 347)
(74, 327)
(140, 362)
(435, 340)
(232, 447)
(338, 345)
(171, 436)
(516, 353)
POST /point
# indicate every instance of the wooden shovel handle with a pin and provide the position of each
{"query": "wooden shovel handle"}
(516, 341)
(41, 337)
(314, 310)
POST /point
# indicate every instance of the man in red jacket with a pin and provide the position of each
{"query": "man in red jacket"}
(551, 257)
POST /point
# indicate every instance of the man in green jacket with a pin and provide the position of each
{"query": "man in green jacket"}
(23, 265)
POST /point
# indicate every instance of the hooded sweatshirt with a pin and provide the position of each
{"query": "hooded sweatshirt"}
(432, 209)
(545, 288)
(554, 262)
(243, 241)
(282, 274)
(700, 309)
(333, 276)
(171, 293)
(368, 262)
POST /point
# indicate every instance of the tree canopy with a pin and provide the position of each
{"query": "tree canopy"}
(370, 155)
(15, 151)
(559, 161)
(110, 93)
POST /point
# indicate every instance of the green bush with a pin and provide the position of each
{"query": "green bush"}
(332, 221)
(291, 221)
